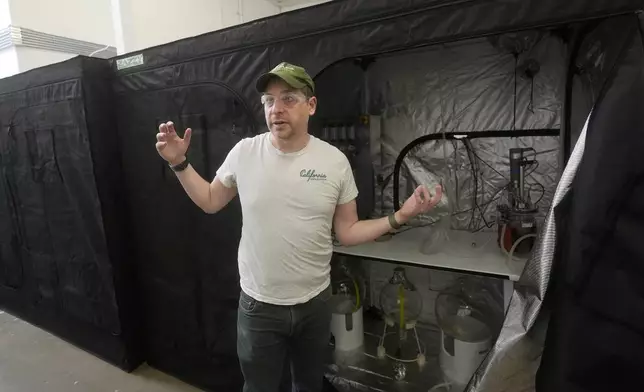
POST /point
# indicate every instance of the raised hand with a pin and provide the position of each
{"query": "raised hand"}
(170, 146)
(420, 202)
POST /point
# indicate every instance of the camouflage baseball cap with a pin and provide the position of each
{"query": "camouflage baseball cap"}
(293, 75)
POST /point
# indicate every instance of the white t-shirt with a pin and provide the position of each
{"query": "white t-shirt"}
(288, 201)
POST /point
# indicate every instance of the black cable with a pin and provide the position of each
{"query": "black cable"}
(474, 160)
(490, 166)
(543, 192)
(481, 211)
(487, 204)
(385, 182)
(534, 168)
(460, 136)
(470, 149)
(485, 222)
(456, 196)
(534, 152)
(535, 165)
(514, 108)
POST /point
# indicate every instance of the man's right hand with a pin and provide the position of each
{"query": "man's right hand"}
(170, 146)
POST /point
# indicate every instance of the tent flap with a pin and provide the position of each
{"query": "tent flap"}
(575, 320)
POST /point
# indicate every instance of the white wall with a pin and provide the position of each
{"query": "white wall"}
(8, 62)
(291, 7)
(5, 16)
(149, 23)
(84, 20)
(130, 25)
(87, 20)
(117, 23)
(256, 9)
(30, 58)
(153, 22)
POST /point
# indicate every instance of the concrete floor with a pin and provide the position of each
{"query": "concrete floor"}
(32, 360)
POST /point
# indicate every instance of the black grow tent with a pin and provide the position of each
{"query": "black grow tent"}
(423, 66)
(529, 71)
(65, 260)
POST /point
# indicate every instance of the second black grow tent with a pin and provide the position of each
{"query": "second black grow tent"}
(423, 66)
(65, 258)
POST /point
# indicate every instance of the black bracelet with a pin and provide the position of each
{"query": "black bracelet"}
(181, 166)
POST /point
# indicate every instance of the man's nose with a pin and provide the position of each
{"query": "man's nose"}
(278, 106)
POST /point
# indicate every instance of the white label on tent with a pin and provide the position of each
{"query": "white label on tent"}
(129, 62)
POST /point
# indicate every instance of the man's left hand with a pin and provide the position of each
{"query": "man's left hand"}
(419, 203)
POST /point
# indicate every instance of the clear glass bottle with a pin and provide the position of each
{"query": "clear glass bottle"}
(401, 302)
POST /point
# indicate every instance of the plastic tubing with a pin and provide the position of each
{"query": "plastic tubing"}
(357, 288)
(514, 245)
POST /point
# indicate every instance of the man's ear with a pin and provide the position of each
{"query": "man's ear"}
(313, 104)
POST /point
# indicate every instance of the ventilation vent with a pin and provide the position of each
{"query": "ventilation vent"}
(19, 36)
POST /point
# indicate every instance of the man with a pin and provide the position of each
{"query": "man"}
(293, 189)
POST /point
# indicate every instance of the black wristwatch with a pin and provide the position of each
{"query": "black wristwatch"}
(181, 166)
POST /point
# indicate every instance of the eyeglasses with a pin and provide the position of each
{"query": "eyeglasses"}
(288, 100)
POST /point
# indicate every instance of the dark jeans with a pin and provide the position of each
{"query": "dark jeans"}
(273, 340)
